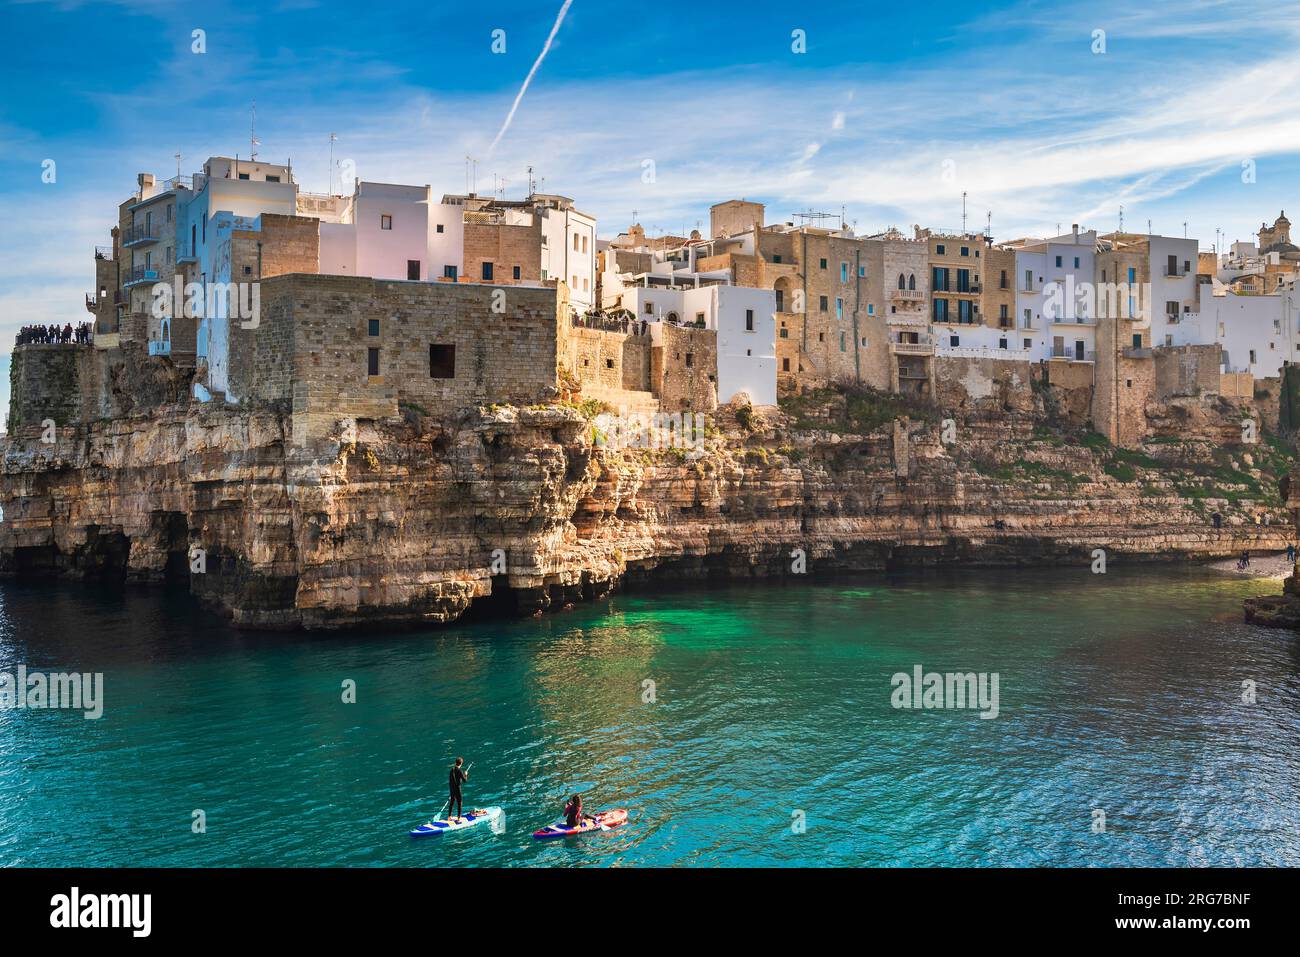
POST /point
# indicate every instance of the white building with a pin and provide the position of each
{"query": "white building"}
(743, 317)
(1056, 310)
(1258, 334)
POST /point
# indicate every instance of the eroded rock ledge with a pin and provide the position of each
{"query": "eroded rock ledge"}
(413, 520)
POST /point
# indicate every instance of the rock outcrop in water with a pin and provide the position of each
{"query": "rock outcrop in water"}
(414, 519)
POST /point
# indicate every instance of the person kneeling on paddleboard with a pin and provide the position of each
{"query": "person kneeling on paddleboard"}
(573, 815)
(457, 776)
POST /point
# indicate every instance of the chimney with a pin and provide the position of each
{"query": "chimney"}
(144, 180)
(1074, 227)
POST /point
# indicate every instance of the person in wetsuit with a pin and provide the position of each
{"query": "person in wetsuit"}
(457, 777)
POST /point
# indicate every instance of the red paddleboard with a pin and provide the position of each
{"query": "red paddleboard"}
(604, 821)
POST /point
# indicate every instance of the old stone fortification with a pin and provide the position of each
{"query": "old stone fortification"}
(413, 517)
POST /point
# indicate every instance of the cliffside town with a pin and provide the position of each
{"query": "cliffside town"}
(326, 411)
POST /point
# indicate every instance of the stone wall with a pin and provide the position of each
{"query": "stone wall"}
(1072, 386)
(48, 382)
(685, 363)
(505, 247)
(1186, 370)
(440, 346)
(969, 384)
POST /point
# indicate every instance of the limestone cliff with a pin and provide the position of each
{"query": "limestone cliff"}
(413, 519)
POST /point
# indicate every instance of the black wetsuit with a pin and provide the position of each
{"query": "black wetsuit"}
(454, 781)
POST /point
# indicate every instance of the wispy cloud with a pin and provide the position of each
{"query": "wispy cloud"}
(546, 48)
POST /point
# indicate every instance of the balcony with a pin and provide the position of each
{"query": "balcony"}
(137, 275)
(901, 347)
(1137, 352)
(1076, 321)
(159, 348)
(1175, 272)
(140, 234)
(184, 254)
(907, 295)
(104, 252)
(1070, 355)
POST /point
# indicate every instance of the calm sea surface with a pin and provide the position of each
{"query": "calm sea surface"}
(1119, 693)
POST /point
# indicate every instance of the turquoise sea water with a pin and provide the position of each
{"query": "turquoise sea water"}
(1119, 692)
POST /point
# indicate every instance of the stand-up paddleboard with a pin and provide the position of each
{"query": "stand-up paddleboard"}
(604, 821)
(477, 816)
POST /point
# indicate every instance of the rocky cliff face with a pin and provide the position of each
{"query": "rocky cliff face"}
(415, 519)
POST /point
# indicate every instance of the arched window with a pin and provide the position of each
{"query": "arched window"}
(911, 281)
(672, 317)
(900, 281)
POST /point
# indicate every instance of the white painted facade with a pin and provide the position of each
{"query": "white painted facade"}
(744, 319)
(1258, 334)
(569, 252)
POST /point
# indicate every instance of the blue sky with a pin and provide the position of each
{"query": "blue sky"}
(892, 111)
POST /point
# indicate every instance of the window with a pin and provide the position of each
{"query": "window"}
(785, 365)
(1137, 340)
(871, 309)
(487, 271)
(824, 303)
(609, 363)
(699, 319)
(385, 221)
(941, 310)
(1002, 343)
(776, 258)
(1132, 275)
(954, 341)
(843, 347)
(273, 179)
(862, 271)
(749, 319)
(844, 272)
(1029, 280)
(514, 273)
(839, 308)
(413, 269)
(575, 242)
(649, 308)
(1252, 356)
(1002, 280)
(372, 361)
(584, 244)
(1029, 343)
(965, 250)
(964, 311)
(1076, 262)
(911, 280)
(690, 360)
(939, 249)
(963, 280)
(780, 300)
(169, 212)
(901, 285)
(939, 281)
(243, 176)
(442, 361)
(823, 263)
(438, 228)
(448, 272)
(574, 284)
(373, 327)
(1058, 262)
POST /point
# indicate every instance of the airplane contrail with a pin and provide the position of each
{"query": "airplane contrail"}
(546, 48)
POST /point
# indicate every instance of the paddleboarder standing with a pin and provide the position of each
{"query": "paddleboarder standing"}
(457, 777)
